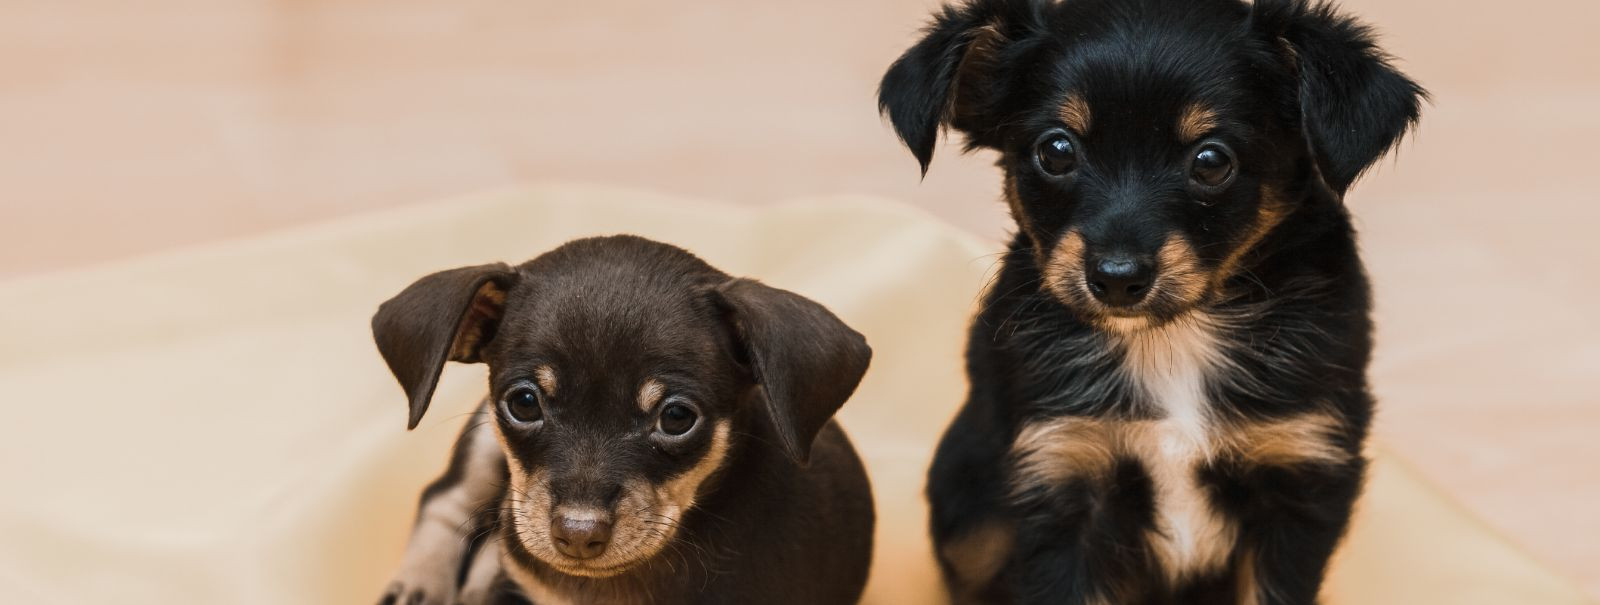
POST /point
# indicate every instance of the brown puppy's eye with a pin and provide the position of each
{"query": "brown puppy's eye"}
(1056, 154)
(676, 419)
(1212, 166)
(522, 403)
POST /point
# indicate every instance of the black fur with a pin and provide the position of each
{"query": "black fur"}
(1306, 101)
(787, 518)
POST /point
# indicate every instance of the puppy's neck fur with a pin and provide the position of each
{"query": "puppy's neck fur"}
(1173, 365)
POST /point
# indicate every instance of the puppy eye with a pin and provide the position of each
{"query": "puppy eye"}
(676, 419)
(1056, 154)
(1212, 166)
(522, 404)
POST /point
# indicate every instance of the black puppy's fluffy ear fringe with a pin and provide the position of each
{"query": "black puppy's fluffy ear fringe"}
(946, 78)
(1355, 106)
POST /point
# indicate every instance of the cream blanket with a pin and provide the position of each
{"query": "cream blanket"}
(215, 426)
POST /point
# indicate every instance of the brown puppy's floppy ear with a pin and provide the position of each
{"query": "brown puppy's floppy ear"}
(1354, 105)
(449, 315)
(956, 74)
(806, 361)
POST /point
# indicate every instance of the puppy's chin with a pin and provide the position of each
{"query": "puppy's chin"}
(585, 568)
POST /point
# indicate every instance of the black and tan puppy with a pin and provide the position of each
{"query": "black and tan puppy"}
(1168, 377)
(655, 432)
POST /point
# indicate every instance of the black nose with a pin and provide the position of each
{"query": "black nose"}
(580, 538)
(1119, 280)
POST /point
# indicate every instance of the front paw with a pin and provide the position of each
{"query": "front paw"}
(411, 591)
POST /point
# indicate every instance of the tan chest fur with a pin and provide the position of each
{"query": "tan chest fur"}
(1173, 366)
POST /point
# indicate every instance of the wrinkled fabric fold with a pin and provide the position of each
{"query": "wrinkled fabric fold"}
(215, 425)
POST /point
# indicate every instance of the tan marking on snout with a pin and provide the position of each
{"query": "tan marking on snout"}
(1195, 121)
(650, 394)
(976, 556)
(1179, 275)
(487, 305)
(644, 520)
(546, 377)
(1075, 113)
(1062, 269)
(1269, 215)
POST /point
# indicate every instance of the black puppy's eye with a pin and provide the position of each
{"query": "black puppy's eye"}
(522, 403)
(1056, 154)
(1212, 166)
(676, 419)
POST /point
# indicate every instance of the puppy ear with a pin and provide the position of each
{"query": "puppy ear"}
(449, 315)
(952, 75)
(806, 361)
(1354, 105)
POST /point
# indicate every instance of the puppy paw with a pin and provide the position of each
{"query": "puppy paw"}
(475, 596)
(403, 592)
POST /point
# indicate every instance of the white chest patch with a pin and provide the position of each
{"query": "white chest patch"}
(1172, 365)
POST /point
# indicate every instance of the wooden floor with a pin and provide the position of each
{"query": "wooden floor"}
(128, 128)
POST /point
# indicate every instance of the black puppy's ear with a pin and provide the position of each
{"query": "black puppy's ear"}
(1354, 105)
(953, 75)
(449, 315)
(806, 361)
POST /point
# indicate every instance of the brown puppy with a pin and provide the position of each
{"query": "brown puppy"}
(646, 437)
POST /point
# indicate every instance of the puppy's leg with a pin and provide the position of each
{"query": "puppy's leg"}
(1083, 542)
(445, 518)
(484, 578)
(970, 518)
(1290, 532)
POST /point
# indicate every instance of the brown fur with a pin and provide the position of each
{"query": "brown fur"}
(1248, 588)
(1056, 451)
(1075, 113)
(1195, 121)
(547, 379)
(1063, 269)
(487, 305)
(1180, 275)
(975, 557)
(1269, 215)
(650, 394)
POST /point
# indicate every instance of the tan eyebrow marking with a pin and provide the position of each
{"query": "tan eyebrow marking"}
(650, 394)
(1195, 122)
(546, 378)
(1075, 113)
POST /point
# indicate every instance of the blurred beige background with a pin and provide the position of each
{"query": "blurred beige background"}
(129, 128)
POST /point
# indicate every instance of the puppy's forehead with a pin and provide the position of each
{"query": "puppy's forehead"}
(617, 321)
(615, 311)
(1120, 70)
